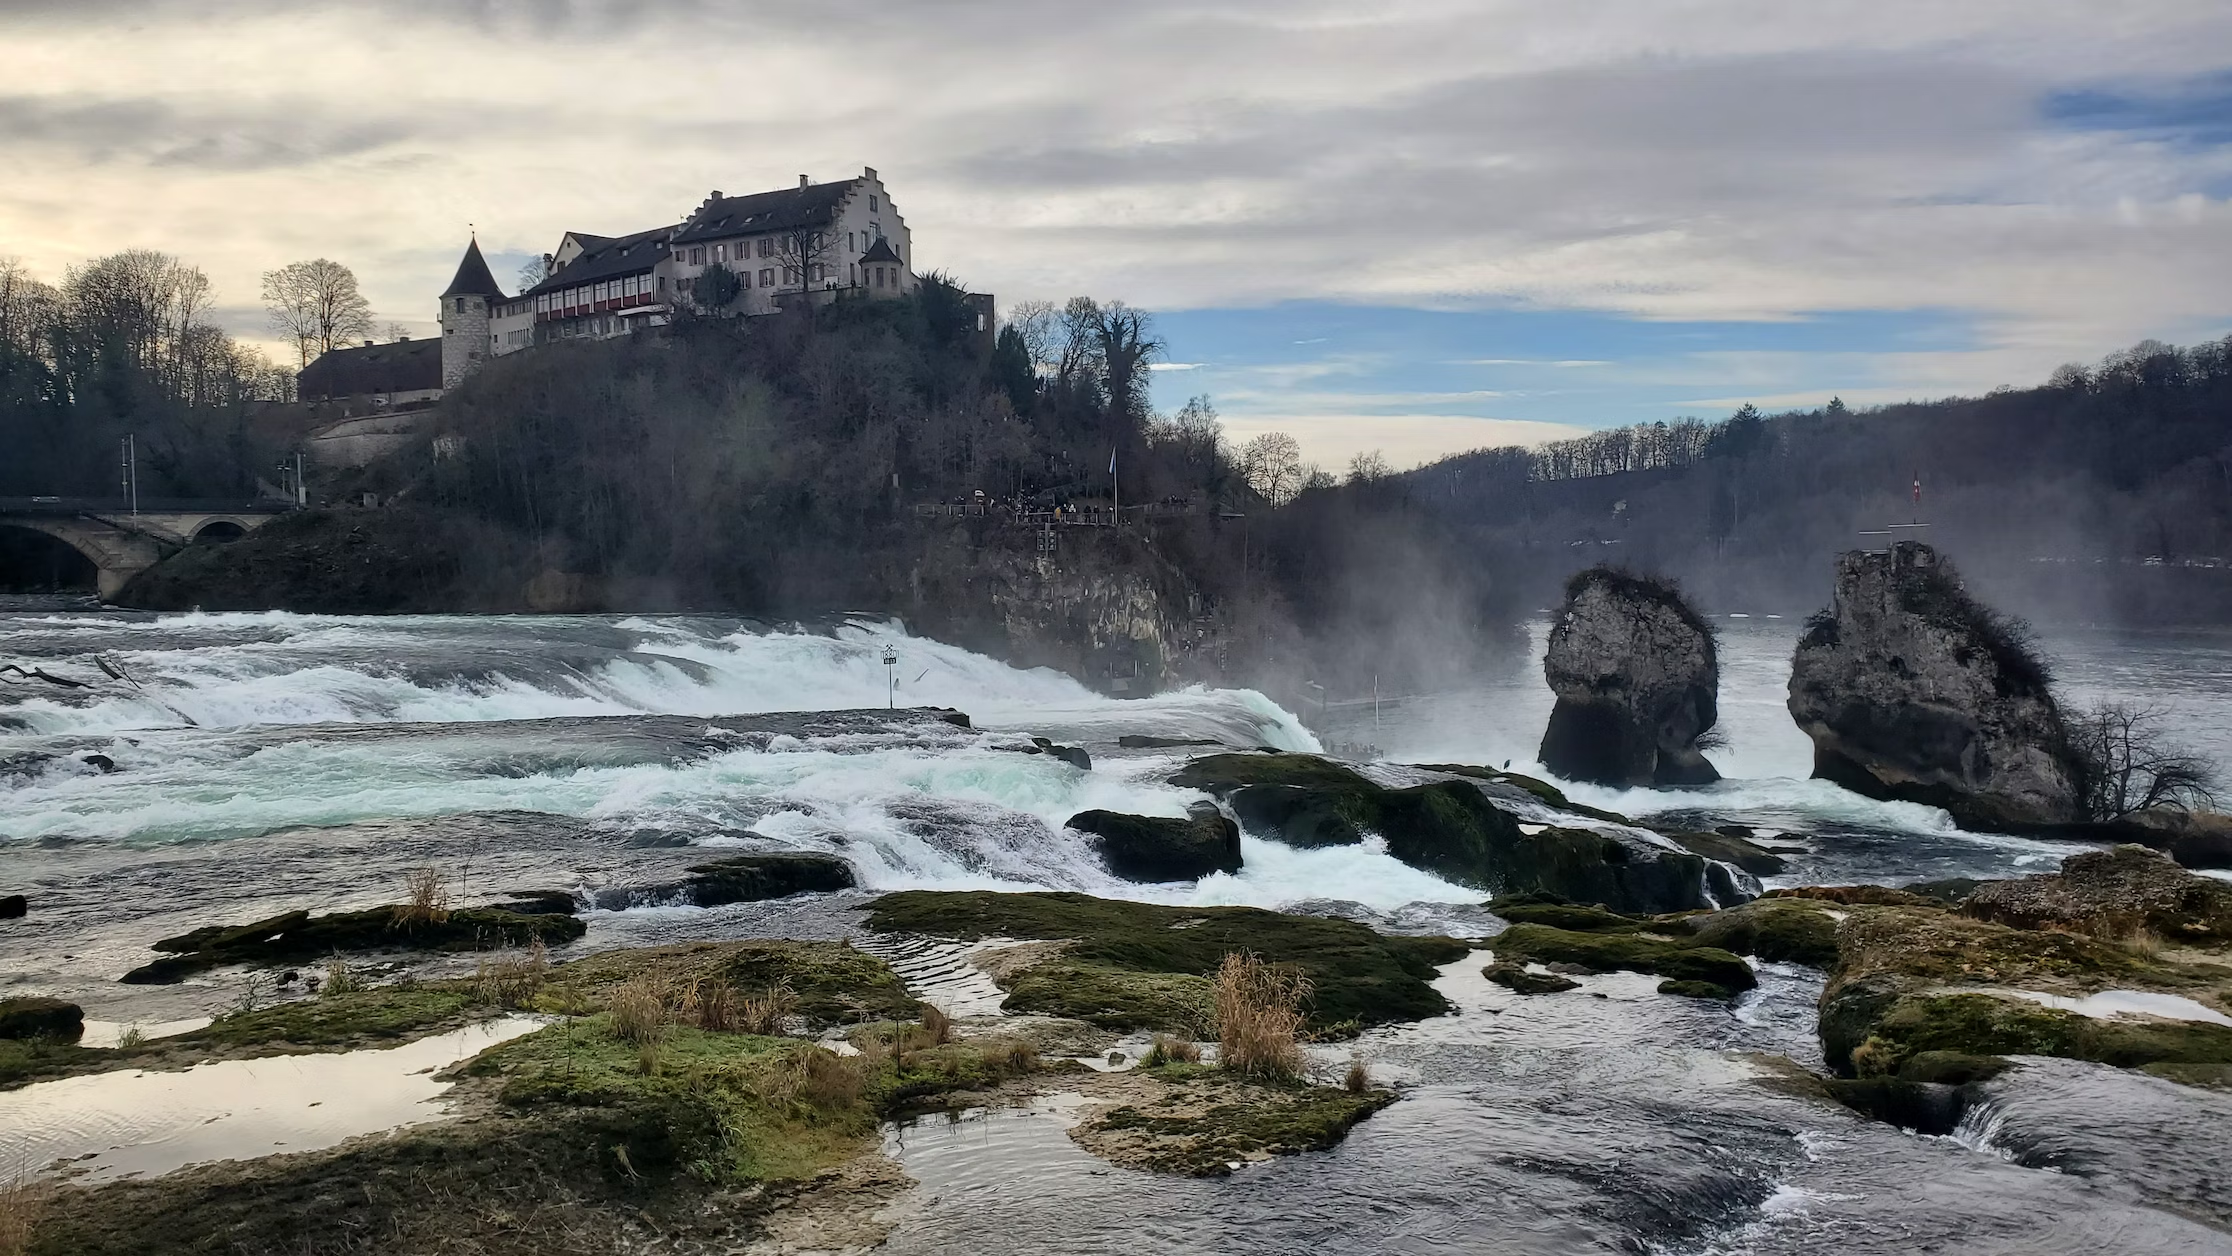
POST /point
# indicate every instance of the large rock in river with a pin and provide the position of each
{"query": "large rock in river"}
(1913, 690)
(1163, 848)
(1453, 829)
(1638, 682)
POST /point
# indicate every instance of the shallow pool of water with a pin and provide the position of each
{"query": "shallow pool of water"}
(144, 1123)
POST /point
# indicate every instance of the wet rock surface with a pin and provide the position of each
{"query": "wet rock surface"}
(1913, 690)
(301, 936)
(1163, 848)
(2112, 893)
(50, 1019)
(1637, 677)
(1455, 830)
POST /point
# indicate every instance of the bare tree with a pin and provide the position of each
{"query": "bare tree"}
(1272, 463)
(1125, 350)
(1034, 321)
(805, 255)
(2127, 767)
(536, 269)
(1367, 467)
(395, 333)
(316, 305)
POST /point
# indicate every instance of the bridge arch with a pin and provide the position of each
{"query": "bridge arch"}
(34, 560)
(220, 530)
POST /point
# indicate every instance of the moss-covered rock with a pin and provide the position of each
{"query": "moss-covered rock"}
(1995, 1025)
(832, 982)
(1690, 989)
(1730, 849)
(296, 936)
(1209, 1122)
(1517, 979)
(1163, 848)
(1677, 958)
(1543, 909)
(50, 1019)
(2113, 893)
(1542, 790)
(1453, 830)
(1120, 951)
(779, 874)
(1783, 930)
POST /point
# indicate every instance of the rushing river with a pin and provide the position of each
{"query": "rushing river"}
(237, 765)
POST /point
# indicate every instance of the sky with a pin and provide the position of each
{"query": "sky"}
(1414, 226)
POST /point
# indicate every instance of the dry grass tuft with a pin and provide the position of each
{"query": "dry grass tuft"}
(937, 1027)
(1359, 1078)
(828, 1080)
(765, 1012)
(1259, 1017)
(708, 1004)
(426, 899)
(1009, 1056)
(639, 1009)
(1169, 1050)
(512, 978)
(340, 979)
(2142, 942)
(23, 1201)
(131, 1039)
(647, 1059)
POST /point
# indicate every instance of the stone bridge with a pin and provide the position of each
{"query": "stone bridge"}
(121, 542)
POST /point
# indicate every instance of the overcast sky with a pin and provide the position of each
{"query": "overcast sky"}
(1412, 225)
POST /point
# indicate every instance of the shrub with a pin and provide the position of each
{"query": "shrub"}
(765, 1012)
(425, 899)
(1169, 1050)
(937, 1027)
(513, 978)
(2124, 766)
(1259, 1017)
(638, 1007)
(23, 1201)
(340, 979)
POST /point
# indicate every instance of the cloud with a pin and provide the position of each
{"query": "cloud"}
(2055, 179)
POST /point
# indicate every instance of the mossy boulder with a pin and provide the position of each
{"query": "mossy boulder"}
(1519, 980)
(1541, 790)
(2113, 893)
(1676, 958)
(1784, 930)
(1543, 909)
(50, 1019)
(297, 936)
(1910, 979)
(1209, 1122)
(1729, 848)
(1453, 830)
(1137, 965)
(834, 983)
(1163, 848)
(751, 878)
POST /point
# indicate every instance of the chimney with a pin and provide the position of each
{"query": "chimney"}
(802, 180)
(868, 172)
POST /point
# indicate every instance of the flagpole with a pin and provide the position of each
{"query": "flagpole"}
(1115, 490)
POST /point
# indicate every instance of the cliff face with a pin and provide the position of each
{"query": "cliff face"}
(1638, 682)
(1911, 690)
(1102, 606)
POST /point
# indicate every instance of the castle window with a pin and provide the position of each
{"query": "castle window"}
(871, 204)
(767, 278)
(743, 279)
(766, 247)
(720, 252)
(697, 256)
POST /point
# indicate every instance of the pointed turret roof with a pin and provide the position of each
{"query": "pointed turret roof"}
(473, 279)
(881, 251)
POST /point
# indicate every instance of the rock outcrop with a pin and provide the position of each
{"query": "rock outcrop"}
(1455, 830)
(1638, 682)
(50, 1019)
(1163, 848)
(2113, 893)
(1912, 690)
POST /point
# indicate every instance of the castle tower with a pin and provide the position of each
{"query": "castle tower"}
(464, 316)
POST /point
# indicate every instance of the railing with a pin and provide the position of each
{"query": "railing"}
(68, 506)
(1067, 517)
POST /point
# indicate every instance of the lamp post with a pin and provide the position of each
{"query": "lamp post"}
(891, 662)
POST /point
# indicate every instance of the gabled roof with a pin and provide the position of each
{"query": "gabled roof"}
(811, 206)
(604, 257)
(406, 366)
(473, 279)
(881, 251)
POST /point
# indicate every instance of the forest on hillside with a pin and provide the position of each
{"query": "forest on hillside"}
(2103, 495)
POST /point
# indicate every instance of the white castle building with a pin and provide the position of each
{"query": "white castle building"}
(817, 241)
